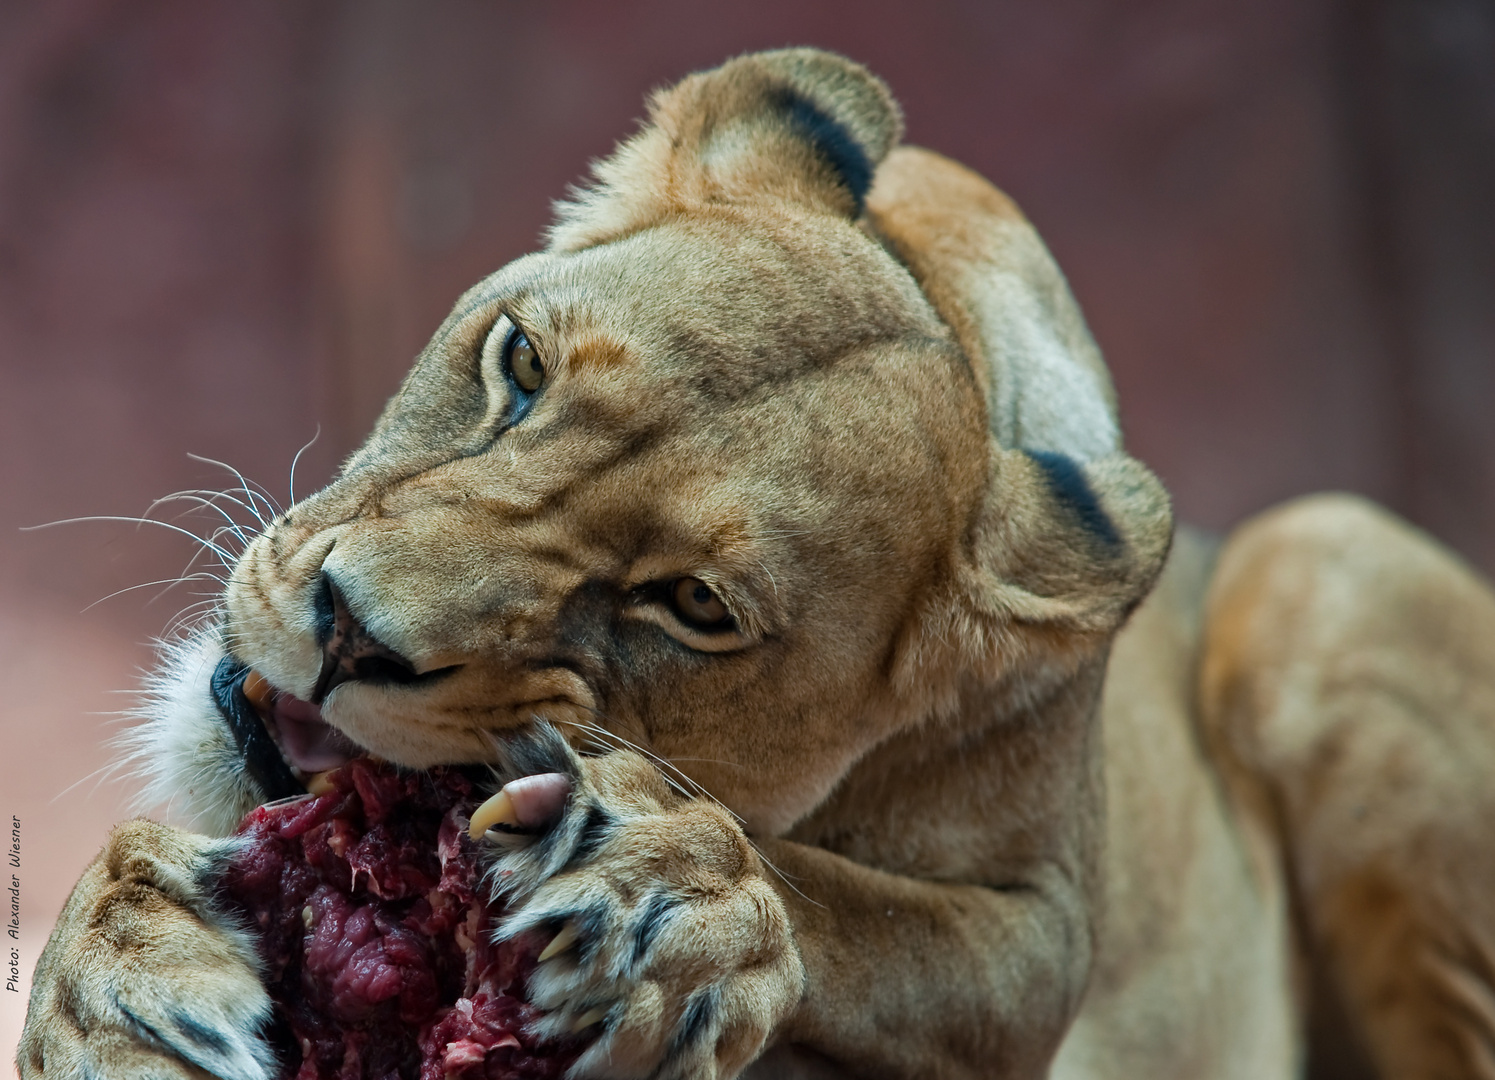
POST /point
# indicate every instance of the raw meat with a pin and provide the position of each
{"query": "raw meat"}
(374, 932)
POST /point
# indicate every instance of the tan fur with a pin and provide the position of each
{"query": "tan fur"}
(960, 848)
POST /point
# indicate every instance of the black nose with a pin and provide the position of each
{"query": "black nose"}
(349, 651)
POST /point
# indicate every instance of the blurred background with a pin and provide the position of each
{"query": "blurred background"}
(225, 227)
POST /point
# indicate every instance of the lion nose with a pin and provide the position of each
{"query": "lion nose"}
(349, 652)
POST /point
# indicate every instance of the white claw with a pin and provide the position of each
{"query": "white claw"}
(590, 1017)
(560, 943)
(499, 810)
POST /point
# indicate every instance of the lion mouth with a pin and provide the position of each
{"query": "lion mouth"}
(282, 739)
(309, 743)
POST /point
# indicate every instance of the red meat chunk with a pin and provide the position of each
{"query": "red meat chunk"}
(375, 935)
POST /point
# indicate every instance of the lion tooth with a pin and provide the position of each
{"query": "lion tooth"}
(590, 1017)
(257, 690)
(561, 942)
(320, 783)
(499, 810)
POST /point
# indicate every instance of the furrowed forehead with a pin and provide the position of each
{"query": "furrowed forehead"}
(635, 288)
(719, 272)
(709, 314)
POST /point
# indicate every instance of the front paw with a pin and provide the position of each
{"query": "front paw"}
(667, 934)
(142, 978)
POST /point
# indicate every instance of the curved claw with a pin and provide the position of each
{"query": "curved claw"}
(529, 803)
(561, 942)
(498, 810)
(590, 1017)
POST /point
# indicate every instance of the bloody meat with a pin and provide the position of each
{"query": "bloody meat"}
(375, 935)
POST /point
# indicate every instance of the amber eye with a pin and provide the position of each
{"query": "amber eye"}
(524, 363)
(697, 604)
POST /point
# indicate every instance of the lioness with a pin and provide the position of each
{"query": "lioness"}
(776, 517)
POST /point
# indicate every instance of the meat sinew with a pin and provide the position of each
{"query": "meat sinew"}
(374, 932)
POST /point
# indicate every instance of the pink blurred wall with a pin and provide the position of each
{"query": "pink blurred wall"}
(224, 226)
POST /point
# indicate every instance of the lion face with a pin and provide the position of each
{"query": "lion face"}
(746, 444)
(711, 475)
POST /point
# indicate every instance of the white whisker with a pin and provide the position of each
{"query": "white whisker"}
(99, 775)
(297, 458)
(772, 583)
(783, 876)
(214, 495)
(168, 582)
(189, 619)
(195, 498)
(220, 552)
(258, 491)
(699, 791)
(677, 779)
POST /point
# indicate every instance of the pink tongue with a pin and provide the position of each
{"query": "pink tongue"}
(312, 744)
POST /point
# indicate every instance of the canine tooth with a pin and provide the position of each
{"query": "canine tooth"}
(499, 810)
(320, 783)
(590, 1017)
(561, 942)
(258, 690)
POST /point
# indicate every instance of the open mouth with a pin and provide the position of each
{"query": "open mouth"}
(283, 740)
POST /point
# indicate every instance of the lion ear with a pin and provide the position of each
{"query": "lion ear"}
(795, 125)
(1060, 554)
(1068, 543)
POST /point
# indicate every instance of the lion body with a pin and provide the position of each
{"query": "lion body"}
(989, 816)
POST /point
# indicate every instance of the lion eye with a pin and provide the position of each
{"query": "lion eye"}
(525, 364)
(697, 604)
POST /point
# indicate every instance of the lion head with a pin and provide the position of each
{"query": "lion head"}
(788, 441)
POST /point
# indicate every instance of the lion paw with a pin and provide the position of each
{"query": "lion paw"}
(142, 978)
(667, 937)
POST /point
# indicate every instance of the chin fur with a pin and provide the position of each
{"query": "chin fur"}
(181, 753)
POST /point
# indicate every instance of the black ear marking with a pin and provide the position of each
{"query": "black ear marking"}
(831, 140)
(1067, 482)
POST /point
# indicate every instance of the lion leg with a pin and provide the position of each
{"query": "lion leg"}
(1348, 690)
(142, 978)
